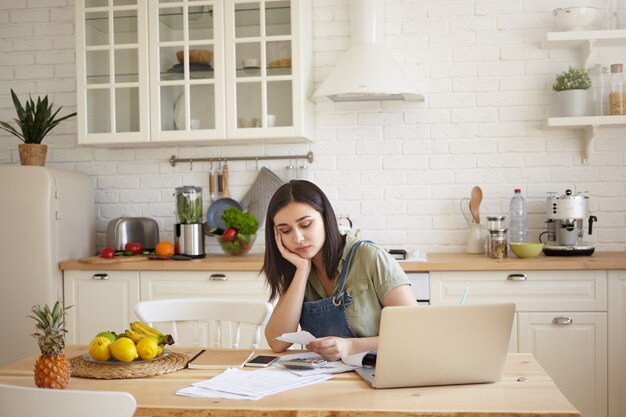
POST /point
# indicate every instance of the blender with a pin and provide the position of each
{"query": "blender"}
(189, 231)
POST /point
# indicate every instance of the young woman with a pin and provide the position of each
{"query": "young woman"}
(333, 286)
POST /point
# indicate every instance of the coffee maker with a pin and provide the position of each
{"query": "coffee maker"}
(189, 231)
(567, 214)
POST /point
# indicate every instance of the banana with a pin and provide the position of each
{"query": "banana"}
(144, 329)
(134, 336)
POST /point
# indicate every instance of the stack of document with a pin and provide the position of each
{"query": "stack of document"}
(238, 384)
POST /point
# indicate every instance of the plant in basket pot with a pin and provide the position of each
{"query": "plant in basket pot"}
(34, 122)
(240, 233)
(572, 87)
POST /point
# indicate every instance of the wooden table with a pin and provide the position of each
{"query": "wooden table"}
(525, 390)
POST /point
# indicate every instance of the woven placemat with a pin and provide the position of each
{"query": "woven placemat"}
(86, 369)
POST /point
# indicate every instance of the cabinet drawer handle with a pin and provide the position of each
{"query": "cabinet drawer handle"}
(562, 320)
(516, 277)
(100, 276)
(218, 277)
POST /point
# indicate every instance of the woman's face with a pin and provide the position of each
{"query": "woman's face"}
(301, 229)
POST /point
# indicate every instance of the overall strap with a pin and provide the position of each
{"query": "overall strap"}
(344, 272)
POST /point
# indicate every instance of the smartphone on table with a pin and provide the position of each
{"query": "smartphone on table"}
(262, 361)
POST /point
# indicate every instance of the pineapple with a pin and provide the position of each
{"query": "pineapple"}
(52, 369)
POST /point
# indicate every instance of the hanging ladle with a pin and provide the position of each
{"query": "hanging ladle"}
(474, 204)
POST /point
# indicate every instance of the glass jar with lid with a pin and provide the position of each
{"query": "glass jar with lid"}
(497, 244)
(496, 222)
(616, 95)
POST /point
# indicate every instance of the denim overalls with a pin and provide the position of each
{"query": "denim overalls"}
(327, 317)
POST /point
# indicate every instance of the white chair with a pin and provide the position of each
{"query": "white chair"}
(16, 401)
(200, 312)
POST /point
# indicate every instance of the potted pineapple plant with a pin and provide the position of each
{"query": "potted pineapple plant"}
(34, 122)
(572, 87)
(52, 369)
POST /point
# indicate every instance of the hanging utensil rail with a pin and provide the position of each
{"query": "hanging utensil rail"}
(308, 157)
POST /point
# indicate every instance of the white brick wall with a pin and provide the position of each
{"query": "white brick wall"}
(398, 169)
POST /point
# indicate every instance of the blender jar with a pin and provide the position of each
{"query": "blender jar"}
(189, 204)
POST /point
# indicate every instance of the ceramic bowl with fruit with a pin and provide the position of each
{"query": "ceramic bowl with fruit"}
(240, 233)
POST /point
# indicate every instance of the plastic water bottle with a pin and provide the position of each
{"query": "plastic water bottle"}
(518, 228)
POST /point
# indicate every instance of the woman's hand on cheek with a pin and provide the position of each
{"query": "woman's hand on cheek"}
(330, 348)
(294, 258)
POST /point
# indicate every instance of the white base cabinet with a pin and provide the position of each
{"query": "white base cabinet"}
(617, 343)
(561, 319)
(105, 300)
(100, 301)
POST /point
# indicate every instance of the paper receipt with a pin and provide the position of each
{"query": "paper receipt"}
(301, 338)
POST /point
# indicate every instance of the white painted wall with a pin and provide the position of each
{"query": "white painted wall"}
(398, 169)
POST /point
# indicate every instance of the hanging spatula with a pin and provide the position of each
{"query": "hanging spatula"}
(474, 204)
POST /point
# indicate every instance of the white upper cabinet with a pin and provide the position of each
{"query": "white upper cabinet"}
(206, 71)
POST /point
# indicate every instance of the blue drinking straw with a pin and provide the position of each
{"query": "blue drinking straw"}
(464, 295)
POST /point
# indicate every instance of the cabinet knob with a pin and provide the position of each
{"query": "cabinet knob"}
(100, 276)
(218, 277)
(516, 277)
(562, 320)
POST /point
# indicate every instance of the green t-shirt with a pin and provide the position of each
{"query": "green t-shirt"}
(373, 272)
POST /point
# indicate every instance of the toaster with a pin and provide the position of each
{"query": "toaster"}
(123, 230)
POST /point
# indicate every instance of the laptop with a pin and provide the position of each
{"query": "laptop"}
(441, 345)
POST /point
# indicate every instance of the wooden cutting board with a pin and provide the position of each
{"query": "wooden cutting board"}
(99, 260)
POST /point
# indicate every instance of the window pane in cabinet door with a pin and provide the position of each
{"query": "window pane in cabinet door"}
(96, 28)
(98, 111)
(124, 2)
(171, 24)
(97, 63)
(277, 18)
(200, 20)
(96, 3)
(172, 105)
(278, 58)
(247, 20)
(126, 66)
(248, 59)
(169, 66)
(125, 27)
(202, 106)
(127, 109)
(249, 107)
(279, 102)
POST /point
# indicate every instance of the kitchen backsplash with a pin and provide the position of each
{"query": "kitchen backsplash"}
(398, 169)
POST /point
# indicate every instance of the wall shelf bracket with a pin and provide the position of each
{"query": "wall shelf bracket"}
(585, 51)
(588, 135)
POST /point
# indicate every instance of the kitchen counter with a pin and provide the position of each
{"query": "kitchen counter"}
(446, 261)
(525, 390)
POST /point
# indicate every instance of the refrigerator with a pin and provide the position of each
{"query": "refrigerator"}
(46, 216)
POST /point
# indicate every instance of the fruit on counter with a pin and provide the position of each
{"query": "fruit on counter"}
(52, 369)
(229, 234)
(134, 247)
(124, 350)
(107, 253)
(99, 348)
(148, 348)
(164, 248)
(146, 330)
(109, 335)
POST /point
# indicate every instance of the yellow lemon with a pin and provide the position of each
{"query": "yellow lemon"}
(99, 348)
(148, 348)
(124, 350)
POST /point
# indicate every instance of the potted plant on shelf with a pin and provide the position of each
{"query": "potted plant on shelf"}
(572, 87)
(34, 121)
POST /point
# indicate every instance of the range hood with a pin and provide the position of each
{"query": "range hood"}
(367, 71)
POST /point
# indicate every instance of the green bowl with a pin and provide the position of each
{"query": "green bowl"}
(526, 249)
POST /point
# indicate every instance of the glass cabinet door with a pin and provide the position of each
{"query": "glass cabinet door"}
(259, 35)
(186, 62)
(112, 77)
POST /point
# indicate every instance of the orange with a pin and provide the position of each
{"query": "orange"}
(164, 248)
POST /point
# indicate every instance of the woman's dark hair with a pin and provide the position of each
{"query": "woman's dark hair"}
(278, 271)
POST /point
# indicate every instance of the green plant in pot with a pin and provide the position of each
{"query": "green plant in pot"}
(240, 233)
(34, 121)
(572, 87)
